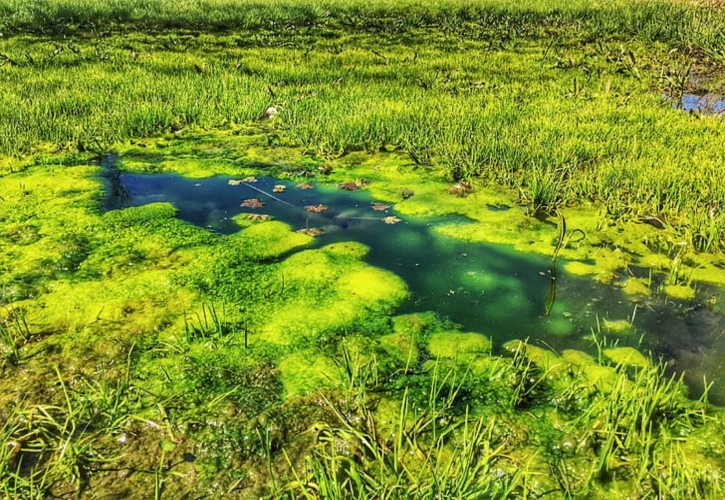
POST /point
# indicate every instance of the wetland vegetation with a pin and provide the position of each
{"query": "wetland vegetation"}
(330, 249)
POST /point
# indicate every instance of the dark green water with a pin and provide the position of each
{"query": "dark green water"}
(486, 288)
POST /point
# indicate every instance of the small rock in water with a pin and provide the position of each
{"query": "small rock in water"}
(279, 188)
(316, 209)
(311, 231)
(252, 203)
(460, 189)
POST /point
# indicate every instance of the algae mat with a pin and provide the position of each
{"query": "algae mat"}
(482, 287)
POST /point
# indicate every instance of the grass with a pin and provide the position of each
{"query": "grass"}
(686, 23)
(14, 334)
(561, 102)
(439, 449)
(143, 356)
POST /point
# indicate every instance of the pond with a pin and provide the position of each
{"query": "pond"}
(484, 287)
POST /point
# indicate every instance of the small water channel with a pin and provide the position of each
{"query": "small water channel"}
(486, 288)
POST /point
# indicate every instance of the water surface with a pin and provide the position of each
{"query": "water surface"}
(705, 103)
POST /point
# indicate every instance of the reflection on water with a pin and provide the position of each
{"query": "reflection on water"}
(486, 288)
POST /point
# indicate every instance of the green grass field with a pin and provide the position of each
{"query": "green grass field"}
(132, 326)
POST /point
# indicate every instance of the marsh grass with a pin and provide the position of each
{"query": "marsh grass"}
(560, 120)
(14, 334)
(51, 446)
(679, 22)
(559, 101)
(429, 454)
(433, 447)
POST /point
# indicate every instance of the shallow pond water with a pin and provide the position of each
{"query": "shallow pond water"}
(486, 288)
(707, 103)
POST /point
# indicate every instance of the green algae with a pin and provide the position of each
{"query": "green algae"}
(459, 346)
(626, 356)
(268, 240)
(402, 348)
(142, 274)
(544, 358)
(602, 249)
(636, 287)
(334, 289)
(681, 292)
(306, 371)
(620, 326)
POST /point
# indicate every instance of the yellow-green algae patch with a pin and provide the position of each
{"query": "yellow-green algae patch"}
(593, 374)
(140, 303)
(401, 347)
(617, 326)
(636, 286)
(626, 356)
(459, 345)
(193, 153)
(308, 371)
(269, 239)
(416, 324)
(682, 292)
(336, 289)
(544, 358)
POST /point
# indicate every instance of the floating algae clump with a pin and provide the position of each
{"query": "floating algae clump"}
(543, 358)
(618, 326)
(458, 345)
(326, 289)
(636, 286)
(681, 292)
(267, 240)
(400, 347)
(626, 356)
